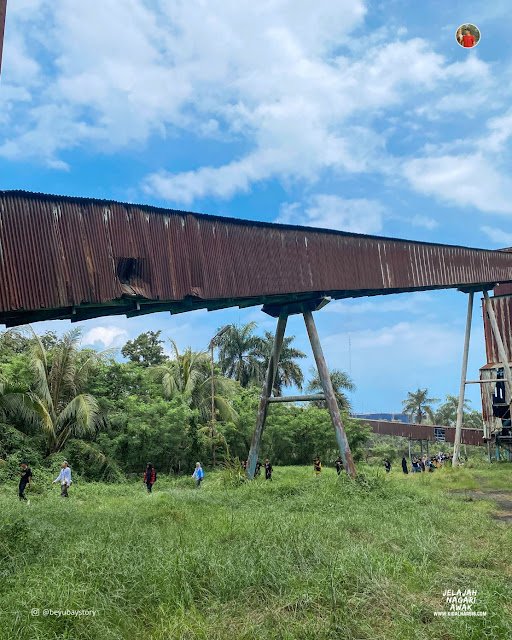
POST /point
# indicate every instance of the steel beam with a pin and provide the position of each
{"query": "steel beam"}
(312, 398)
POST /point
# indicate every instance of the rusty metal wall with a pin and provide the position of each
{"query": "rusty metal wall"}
(502, 306)
(3, 9)
(491, 423)
(423, 432)
(76, 258)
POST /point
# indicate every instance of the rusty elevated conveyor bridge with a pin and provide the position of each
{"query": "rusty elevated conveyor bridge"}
(78, 258)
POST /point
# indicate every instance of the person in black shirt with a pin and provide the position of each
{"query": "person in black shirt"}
(404, 465)
(26, 477)
(387, 465)
(338, 463)
(317, 466)
(268, 470)
(258, 468)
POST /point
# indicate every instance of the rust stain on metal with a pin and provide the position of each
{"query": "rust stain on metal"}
(423, 431)
(502, 306)
(78, 258)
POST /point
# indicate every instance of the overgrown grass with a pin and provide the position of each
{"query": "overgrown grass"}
(298, 557)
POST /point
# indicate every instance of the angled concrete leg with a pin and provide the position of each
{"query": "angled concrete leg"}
(265, 394)
(462, 388)
(330, 398)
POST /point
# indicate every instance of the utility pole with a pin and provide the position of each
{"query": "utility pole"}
(3, 10)
(212, 344)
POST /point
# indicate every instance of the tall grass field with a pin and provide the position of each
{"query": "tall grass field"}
(299, 557)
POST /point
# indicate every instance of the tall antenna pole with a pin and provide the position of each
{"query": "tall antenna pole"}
(3, 10)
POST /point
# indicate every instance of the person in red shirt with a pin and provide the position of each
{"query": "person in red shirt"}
(149, 477)
(468, 40)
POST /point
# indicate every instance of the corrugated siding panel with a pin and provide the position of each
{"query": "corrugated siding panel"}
(423, 431)
(502, 306)
(57, 253)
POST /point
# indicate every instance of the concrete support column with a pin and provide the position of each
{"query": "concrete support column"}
(462, 388)
(330, 398)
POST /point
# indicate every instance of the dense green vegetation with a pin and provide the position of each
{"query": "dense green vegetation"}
(299, 557)
(109, 418)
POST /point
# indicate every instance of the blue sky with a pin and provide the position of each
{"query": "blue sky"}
(360, 116)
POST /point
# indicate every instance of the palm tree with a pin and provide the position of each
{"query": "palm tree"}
(288, 371)
(340, 382)
(240, 354)
(417, 406)
(55, 404)
(447, 412)
(188, 375)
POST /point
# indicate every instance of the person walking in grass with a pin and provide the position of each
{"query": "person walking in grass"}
(268, 470)
(404, 465)
(64, 478)
(317, 466)
(338, 463)
(387, 466)
(198, 474)
(26, 478)
(149, 477)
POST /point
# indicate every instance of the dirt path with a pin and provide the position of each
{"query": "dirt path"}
(503, 499)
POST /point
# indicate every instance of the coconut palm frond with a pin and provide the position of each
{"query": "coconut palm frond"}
(22, 407)
(80, 417)
(225, 409)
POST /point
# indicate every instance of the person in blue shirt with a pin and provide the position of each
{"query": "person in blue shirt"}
(198, 474)
(64, 478)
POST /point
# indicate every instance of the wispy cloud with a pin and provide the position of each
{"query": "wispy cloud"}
(357, 215)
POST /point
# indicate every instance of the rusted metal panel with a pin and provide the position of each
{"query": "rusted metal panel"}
(423, 431)
(3, 10)
(502, 306)
(79, 258)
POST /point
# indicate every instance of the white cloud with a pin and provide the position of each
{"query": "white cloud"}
(423, 221)
(270, 75)
(357, 215)
(397, 356)
(498, 236)
(419, 303)
(109, 336)
(466, 179)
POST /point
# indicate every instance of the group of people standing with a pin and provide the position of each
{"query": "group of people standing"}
(424, 463)
(149, 477)
(64, 478)
(257, 470)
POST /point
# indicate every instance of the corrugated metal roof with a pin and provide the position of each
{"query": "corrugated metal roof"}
(65, 257)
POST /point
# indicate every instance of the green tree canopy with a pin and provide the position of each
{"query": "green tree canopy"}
(341, 382)
(288, 371)
(240, 354)
(418, 406)
(146, 350)
(55, 404)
